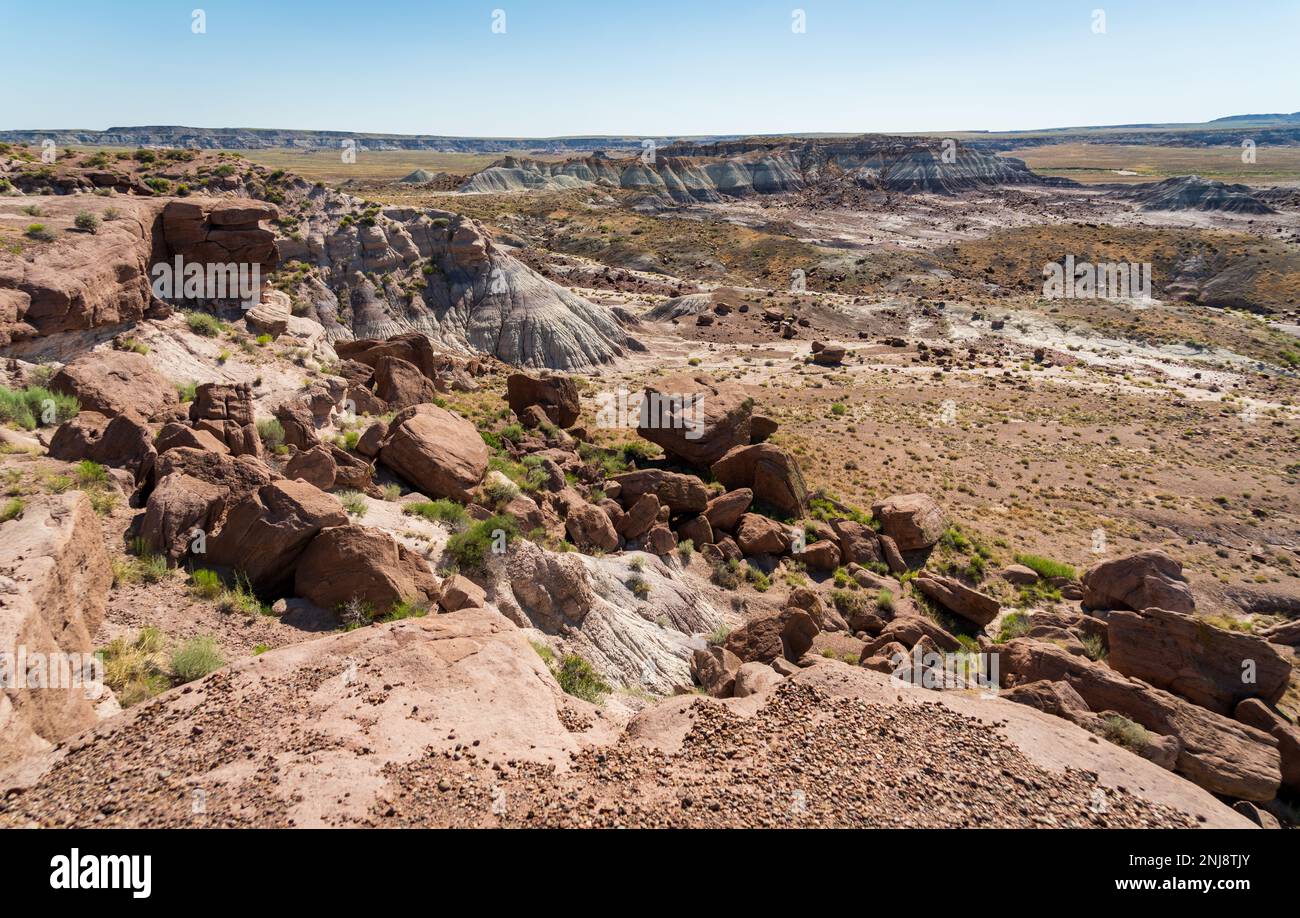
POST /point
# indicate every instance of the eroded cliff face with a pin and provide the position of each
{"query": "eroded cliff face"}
(714, 172)
(371, 272)
(84, 281)
(361, 270)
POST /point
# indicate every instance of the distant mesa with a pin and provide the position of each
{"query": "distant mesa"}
(714, 172)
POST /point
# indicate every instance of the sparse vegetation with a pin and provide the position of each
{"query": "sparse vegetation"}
(205, 324)
(196, 658)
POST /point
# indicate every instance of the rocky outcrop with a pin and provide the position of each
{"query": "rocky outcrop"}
(264, 534)
(54, 580)
(1257, 714)
(356, 564)
(114, 382)
(1191, 192)
(226, 412)
(436, 450)
(679, 493)
(685, 173)
(637, 640)
(769, 472)
(1148, 579)
(556, 395)
(122, 442)
(377, 699)
(959, 599)
(1221, 755)
(1209, 666)
(913, 521)
(695, 420)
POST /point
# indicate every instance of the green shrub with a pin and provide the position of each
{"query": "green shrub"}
(205, 324)
(1014, 625)
(149, 566)
(639, 587)
(241, 598)
(470, 547)
(11, 509)
(392, 492)
(848, 602)
(91, 473)
(1123, 732)
(264, 340)
(196, 658)
(40, 232)
(442, 510)
(1046, 567)
(36, 406)
(206, 584)
(685, 550)
(354, 503)
(885, 600)
(578, 679)
(136, 670)
(86, 222)
(272, 433)
(1094, 647)
(187, 391)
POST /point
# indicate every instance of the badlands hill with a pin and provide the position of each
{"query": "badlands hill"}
(1191, 192)
(360, 269)
(713, 172)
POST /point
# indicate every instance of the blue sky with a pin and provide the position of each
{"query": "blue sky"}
(566, 67)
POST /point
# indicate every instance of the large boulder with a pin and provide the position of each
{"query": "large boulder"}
(715, 670)
(724, 511)
(822, 555)
(236, 476)
(226, 411)
(754, 678)
(266, 532)
(401, 384)
(1257, 714)
(641, 514)
(1148, 579)
(178, 506)
(694, 419)
(175, 435)
(437, 451)
(959, 599)
(557, 396)
(114, 382)
(680, 493)
(590, 529)
(786, 634)
(54, 581)
(761, 535)
(122, 442)
(299, 424)
(913, 521)
(1221, 755)
(859, 544)
(769, 471)
(1210, 666)
(347, 564)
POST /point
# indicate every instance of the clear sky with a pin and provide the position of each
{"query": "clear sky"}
(565, 67)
